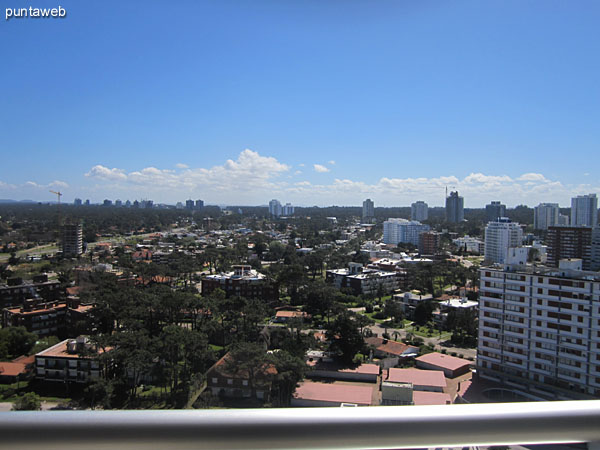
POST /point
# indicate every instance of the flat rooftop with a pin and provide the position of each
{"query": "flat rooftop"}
(334, 393)
(417, 377)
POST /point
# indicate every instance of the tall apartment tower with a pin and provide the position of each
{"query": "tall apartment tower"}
(595, 250)
(545, 215)
(72, 239)
(539, 332)
(275, 208)
(288, 209)
(494, 211)
(368, 211)
(419, 211)
(584, 211)
(569, 242)
(499, 237)
(455, 211)
(199, 205)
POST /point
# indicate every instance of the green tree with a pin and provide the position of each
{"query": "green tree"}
(423, 312)
(345, 339)
(29, 401)
(290, 370)
(16, 341)
(249, 360)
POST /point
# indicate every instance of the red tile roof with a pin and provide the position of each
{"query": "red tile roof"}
(11, 369)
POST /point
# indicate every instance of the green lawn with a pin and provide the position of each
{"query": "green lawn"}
(427, 332)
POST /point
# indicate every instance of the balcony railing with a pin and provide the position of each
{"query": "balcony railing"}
(341, 428)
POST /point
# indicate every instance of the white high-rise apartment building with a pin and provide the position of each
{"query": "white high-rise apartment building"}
(539, 333)
(368, 211)
(288, 209)
(275, 208)
(545, 215)
(397, 231)
(499, 237)
(584, 211)
(419, 211)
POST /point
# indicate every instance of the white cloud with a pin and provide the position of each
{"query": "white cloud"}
(4, 185)
(248, 174)
(252, 179)
(332, 162)
(104, 173)
(59, 184)
(532, 177)
(182, 166)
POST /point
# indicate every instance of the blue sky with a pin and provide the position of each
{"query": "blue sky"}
(312, 102)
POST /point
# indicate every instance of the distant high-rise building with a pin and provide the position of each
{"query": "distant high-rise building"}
(199, 205)
(189, 204)
(564, 220)
(72, 239)
(368, 211)
(288, 210)
(118, 203)
(494, 211)
(87, 202)
(275, 208)
(396, 231)
(107, 202)
(128, 204)
(595, 250)
(455, 211)
(584, 211)
(429, 242)
(499, 237)
(569, 242)
(545, 215)
(419, 211)
(77, 202)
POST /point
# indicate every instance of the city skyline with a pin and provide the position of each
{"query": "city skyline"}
(318, 104)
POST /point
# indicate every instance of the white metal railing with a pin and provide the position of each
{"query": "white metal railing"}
(344, 428)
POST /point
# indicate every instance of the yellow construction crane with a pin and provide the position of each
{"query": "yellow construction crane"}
(58, 195)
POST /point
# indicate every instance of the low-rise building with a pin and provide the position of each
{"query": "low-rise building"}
(69, 361)
(18, 369)
(470, 244)
(421, 380)
(315, 394)
(223, 381)
(243, 281)
(451, 366)
(410, 300)
(58, 318)
(16, 291)
(365, 281)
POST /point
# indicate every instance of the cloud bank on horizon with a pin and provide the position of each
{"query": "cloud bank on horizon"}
(254, 179)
